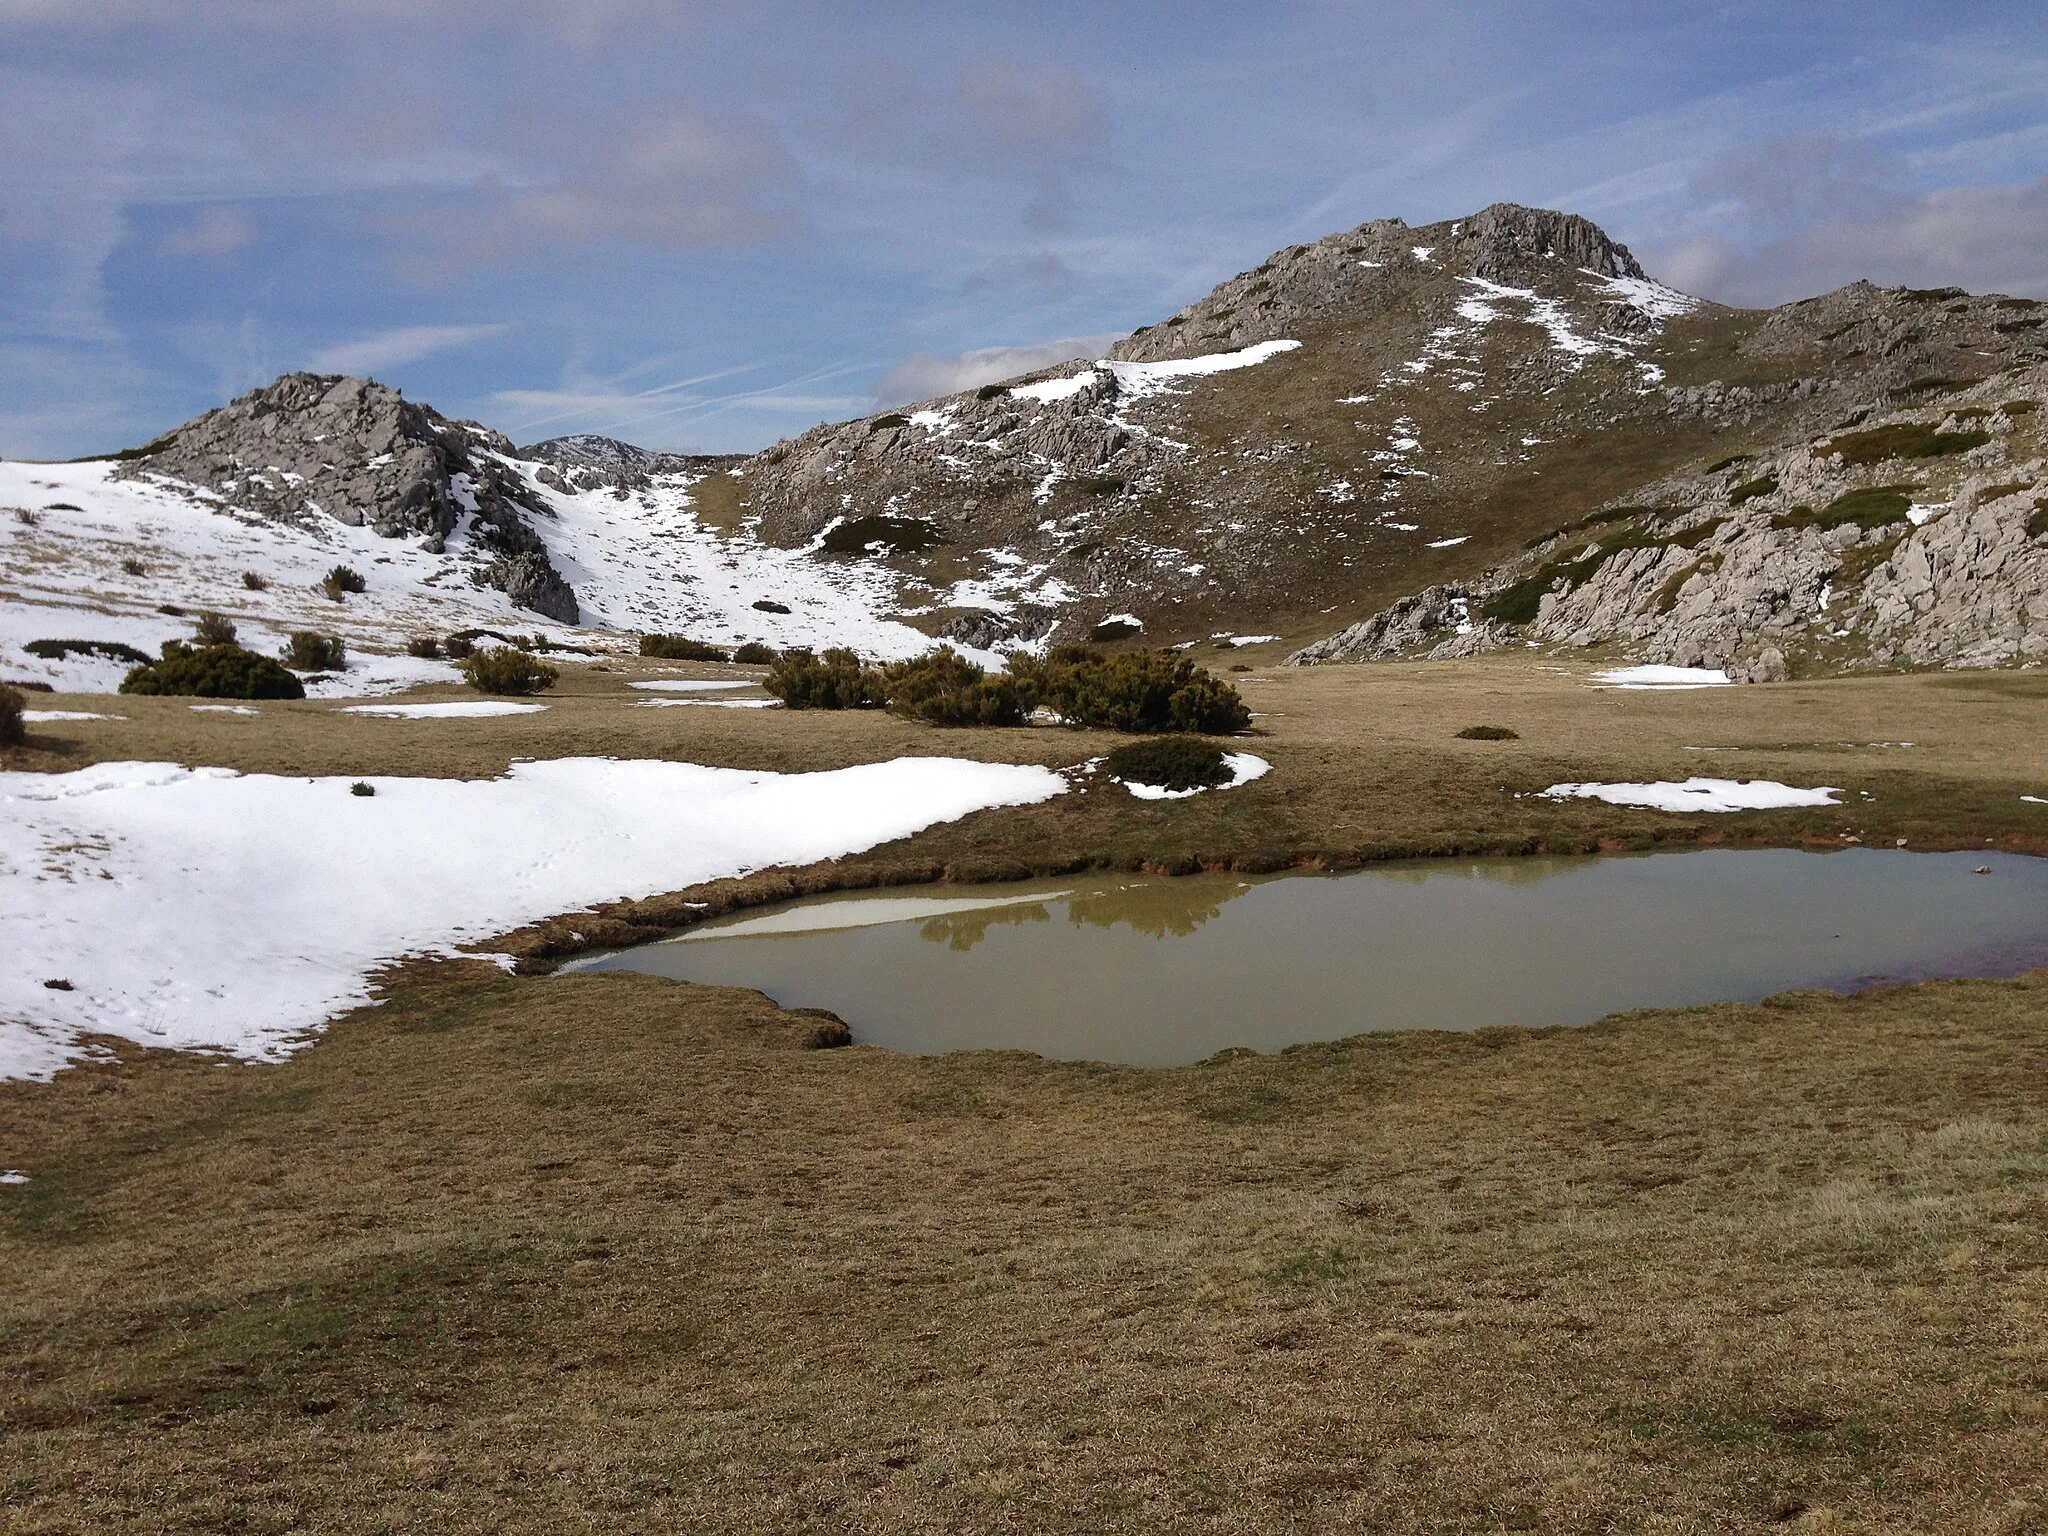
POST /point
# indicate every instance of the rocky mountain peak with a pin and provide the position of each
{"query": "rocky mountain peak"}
(312, 446)
(1501, 239)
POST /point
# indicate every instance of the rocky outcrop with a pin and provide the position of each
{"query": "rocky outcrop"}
(1919, 538)
(313, 446)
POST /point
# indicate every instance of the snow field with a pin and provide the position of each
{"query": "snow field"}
(1700, 795)
(204, 909)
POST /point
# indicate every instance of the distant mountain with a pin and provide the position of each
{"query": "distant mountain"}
(1394, 441)
(1385, 410)
(609, 453)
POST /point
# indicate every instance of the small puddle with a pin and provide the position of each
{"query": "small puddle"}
(1161, 971)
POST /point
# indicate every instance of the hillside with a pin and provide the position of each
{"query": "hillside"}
(1370, 446)
(1346, 423)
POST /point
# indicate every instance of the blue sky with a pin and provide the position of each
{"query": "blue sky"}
(707, 226)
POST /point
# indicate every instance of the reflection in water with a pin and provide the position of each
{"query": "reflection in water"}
(1172, 970)
(1156, 907)
(963, 930)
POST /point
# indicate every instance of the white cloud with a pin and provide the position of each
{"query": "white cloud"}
(925, 377)
(214, 233)
(395, 348)
(1988, 239)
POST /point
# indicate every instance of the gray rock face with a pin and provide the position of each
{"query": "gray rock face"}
(1810, 559)
(312, 446)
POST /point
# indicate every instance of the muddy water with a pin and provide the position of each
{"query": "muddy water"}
(1162, 971)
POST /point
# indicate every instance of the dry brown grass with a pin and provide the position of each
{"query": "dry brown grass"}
(601, 1253)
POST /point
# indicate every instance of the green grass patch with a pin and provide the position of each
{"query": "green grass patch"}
(1169, 762)
(1902, 440)
(1935, 384)
(1730, 462)
(2000, 492)
(1488, 733)
(886, 420)
(900, 535)
(1749, 490)
(1878, 506)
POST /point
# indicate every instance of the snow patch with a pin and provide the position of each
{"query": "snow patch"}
(460, 709)
(1699, 795)
(1243, 766)
(203, 909)
(1662, 677)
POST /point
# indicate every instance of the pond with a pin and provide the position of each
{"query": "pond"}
(1160, 971)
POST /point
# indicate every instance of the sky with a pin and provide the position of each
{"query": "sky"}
(706, 226)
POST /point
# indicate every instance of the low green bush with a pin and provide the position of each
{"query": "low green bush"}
(1138, 691)
(457, 646)
(310, 652)
(839, 679)
(991, 391)
(345, 580)
(679, 648)
(1749, 490)
(1876, 506)
(214, 629)
(113, 650)
(1488, 733)
(426, 647)
(1114, 629)
(253, 581)
(501, 669)
(754, 654)
(1169, 762)
(942, 687)
(12, 731)
(886, 420)
(134, 567)
(212, 672)
(1902, 440)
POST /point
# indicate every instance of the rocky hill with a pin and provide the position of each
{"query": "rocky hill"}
(1394, 441)
(1386, 410)
(312, 447)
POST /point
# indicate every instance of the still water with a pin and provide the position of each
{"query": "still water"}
(1161, 971)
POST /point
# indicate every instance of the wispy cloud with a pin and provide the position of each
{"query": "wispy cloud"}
(399, 346)
(925, 377)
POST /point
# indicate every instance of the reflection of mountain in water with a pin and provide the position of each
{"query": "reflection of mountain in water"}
(1513, 872)
(1157, 907)
(963, 930)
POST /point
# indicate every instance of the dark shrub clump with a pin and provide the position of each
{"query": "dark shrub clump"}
(679, 648)
(253, 582)
(309, 652)
(942, 687)
(769, 605)
(362, 787)
(1903, 440)
(426, 647)
(1139, 691)
(1749, 490)
(134, 567)
(501, 669)
(1488, 733)
(213, 672)
(113, 650)
(12, 731)
(837, 680)
(754, 654)
(342, 579)
(214, 629)
(1170, 762)
(457, 646)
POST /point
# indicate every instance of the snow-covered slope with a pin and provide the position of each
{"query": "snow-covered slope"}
(205, 909)
(88, 552)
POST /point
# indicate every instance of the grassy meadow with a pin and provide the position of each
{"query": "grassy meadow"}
(606, 1252)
